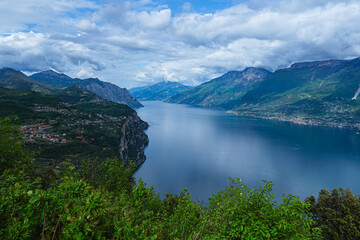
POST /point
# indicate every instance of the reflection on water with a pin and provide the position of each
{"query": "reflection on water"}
(200, 148)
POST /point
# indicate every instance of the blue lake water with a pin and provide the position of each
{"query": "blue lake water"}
(200, 148)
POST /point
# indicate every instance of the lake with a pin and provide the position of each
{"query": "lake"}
(200, 148)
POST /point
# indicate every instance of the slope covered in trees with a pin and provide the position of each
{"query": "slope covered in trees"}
(76, 123)
(323, 93)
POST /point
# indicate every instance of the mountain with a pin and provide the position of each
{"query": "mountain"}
(76, 124)
(317, 93)
(323, 93)
(103, 89)
(13, 79)
(135, 89)
(219, 91)
(158, 91)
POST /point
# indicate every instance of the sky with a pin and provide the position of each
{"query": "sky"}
(141, 42)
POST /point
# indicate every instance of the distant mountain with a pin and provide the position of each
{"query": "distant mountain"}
(103, 89)
(136, 89)
(13, 79)
(219, 91)
(158, 91)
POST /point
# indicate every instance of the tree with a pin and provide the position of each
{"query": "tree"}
(337, 214)
(12, 153)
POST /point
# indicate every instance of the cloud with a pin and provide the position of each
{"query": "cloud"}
(85, 25)
(18, 15)
(36, 51)
(154, 19)
(186, 7)
(136, 42)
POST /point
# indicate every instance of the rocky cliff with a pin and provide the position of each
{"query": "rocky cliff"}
(133, 140)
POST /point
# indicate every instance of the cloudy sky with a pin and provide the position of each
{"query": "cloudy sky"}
(134, 43)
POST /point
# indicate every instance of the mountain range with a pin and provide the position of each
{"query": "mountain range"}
(315, 93)
(220, 91)
(103, 89)
(158, 92)
(13, 79)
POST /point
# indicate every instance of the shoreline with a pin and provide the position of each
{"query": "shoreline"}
(301, 120)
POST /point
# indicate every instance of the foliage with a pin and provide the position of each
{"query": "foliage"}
(337, 214)
(100, 200)
(241, 213)
(12, 154)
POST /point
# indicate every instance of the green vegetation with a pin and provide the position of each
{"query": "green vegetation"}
(318, 93)
(100, 200)
(73, 123)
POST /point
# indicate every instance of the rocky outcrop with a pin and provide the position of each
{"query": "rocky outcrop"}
(133, 140)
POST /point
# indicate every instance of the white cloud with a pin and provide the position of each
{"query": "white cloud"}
(154, 19)
(17, 15)
(84, 73)
(133, 42)
(36, 51)
(85, 25)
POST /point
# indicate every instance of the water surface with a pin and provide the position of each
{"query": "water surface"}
(200, 148)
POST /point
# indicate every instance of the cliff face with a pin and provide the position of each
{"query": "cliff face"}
(133, 140)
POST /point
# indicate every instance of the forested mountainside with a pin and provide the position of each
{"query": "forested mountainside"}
(315, 93)
(219, 91)
(75, 123)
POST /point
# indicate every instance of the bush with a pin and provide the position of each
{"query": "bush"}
(241, 213)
